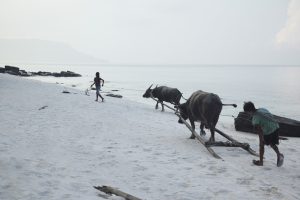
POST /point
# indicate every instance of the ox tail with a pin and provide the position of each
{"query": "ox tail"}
(234, 105)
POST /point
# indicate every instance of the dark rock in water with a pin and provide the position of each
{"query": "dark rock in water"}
(40, 73)
(287, 127)
(24, 73)
(2, 70)
(12, 73)
(16, 71)
(66, 74)
(56, 74)
(114, 95)
(69, 74)
(114, 90)
(12, 70)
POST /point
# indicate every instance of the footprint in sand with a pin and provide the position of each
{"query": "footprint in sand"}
(147, 150)
(274, 191)
(146, 189)
(170, 175)
(217, 169)
(292, 150)
(45, 193)
(267, 168)
(221, 192)
(184, 185)
(135, 146)
(245, 180)
(140, 168)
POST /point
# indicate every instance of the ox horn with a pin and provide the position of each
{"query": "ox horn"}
(150, 86)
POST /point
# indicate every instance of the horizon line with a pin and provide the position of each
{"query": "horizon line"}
(140, 64)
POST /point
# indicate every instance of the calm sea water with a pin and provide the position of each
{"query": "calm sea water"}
(276, 88)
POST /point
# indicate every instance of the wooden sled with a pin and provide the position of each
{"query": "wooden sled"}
(230, 143)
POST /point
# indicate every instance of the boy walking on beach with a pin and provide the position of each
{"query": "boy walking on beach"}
(267, 129)
(97, 83)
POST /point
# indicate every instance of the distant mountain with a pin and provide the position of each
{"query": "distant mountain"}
(42, 51)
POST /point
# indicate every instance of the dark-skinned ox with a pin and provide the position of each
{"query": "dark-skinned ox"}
(205, 108)
(164, 93)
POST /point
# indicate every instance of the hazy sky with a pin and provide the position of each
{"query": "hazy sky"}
(162, 31)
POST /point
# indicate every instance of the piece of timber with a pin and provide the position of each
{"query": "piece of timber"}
(242, 145)
(211, 151)
(111, 190)
(164, 104)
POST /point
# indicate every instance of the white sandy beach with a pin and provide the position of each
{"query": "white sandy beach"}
(75, 143)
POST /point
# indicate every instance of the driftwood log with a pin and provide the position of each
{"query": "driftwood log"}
(43, 107)
(111, 190)
(114, 95)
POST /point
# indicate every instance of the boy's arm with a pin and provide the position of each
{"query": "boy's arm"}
(261, 144)
(93, 84)
(102, 82)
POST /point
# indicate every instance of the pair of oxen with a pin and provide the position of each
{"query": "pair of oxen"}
(200, 106)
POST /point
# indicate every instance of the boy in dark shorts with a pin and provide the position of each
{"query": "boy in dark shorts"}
(97, 83)
(267, 129)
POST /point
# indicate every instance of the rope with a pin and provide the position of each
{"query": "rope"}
(228, 116)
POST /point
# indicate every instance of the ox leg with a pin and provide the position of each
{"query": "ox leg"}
(212, 137)
(202, 132)
(162, 106)
(156, 106)
(193, 127)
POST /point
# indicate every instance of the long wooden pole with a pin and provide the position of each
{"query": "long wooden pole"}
(245, 146)
(164, 104)
(211, 151)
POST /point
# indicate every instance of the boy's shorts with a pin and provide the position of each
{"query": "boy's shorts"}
(97, 89)
(272, 139)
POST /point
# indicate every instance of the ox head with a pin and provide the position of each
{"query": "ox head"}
(147, 94)
(183, 112)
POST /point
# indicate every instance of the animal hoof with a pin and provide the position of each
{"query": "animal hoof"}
(211, 140)
(192, 137)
